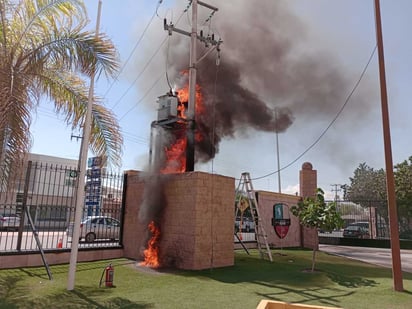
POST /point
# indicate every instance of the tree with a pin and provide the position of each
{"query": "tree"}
(403, 187)
(45, 52)
(314, 212)
(368, 189)
(367, 185)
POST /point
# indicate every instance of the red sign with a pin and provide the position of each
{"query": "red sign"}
(281, 230)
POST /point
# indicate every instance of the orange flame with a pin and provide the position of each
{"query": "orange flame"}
(183, 96)
(175, 157)
(175, 163)
(176, 153)
(151, 254)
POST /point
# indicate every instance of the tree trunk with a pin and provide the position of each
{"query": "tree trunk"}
(313, 259)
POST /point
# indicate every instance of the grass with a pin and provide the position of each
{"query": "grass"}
(337, 282)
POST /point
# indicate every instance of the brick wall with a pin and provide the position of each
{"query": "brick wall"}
(266, 201)
(195, 212)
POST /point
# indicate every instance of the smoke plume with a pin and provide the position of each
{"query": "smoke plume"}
(154, 199)
(270, 73)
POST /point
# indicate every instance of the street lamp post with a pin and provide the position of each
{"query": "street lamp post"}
(277, 149)
(82, 174)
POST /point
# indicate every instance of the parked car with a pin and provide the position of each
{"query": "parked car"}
(356, 231)
(9, 222)
(364, 224)
(96, 227)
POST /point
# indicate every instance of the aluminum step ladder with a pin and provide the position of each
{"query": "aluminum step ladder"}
(247, 199)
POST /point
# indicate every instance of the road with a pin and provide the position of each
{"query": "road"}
(376, 256)
(48, 239)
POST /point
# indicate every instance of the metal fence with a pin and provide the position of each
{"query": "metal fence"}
(373, 213)
(39, 209)
(372, 216)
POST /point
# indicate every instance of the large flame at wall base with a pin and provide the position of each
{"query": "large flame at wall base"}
(151, 254)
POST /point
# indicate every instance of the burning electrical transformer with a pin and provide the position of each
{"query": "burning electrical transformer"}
(168, 141)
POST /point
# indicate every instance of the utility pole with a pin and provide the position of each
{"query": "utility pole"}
(77, 137)
(336, 190)
(390, 179)
(193, 61)
(82, 173)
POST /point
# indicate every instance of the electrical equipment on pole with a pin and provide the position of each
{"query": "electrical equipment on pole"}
(209, 40)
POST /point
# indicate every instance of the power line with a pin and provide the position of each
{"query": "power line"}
(140, 74)
(144, 96)
(134, 48)
(144, 68)
(330, 124)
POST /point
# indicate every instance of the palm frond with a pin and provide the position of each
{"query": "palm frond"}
(70, 95)
(46, 51)
(106, 138)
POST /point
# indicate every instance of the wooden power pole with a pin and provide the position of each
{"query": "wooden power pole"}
(390, 181)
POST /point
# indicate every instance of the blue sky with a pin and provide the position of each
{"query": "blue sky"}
(327, 45)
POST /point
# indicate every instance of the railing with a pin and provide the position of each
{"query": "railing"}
(46, 196)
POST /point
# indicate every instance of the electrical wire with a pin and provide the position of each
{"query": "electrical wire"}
(133, 50)
(214, 117)
(135, 138)
(330, 124)
(140, 74)
(144, 68)
(144, 96)
(212, 163)
(157, 8)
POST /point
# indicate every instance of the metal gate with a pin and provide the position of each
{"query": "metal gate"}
(46, 194)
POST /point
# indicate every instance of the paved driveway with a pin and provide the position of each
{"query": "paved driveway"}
(377, 256)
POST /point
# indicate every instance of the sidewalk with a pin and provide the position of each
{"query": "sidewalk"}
(376, 256)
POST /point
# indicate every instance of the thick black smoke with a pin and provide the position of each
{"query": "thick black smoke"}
(154, 199)
(267, 62)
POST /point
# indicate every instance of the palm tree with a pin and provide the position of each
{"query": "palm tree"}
(45, 52)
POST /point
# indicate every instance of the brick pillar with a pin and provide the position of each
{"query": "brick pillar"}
(308, 185)
(308, 180)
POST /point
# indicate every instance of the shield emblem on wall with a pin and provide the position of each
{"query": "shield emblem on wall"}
(281, 220)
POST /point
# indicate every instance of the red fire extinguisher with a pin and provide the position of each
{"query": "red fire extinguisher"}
(108, 272)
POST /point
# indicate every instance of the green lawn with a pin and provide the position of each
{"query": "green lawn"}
(337, 282)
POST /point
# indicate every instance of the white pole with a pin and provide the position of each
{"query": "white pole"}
(193, 62)
(191, 109)
(277, 149)
(82, 173)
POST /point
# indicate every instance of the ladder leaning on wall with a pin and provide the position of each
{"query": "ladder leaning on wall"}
(248, 199)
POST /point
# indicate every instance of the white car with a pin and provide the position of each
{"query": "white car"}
(9, 222)
(248, 225)
(97, 227)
